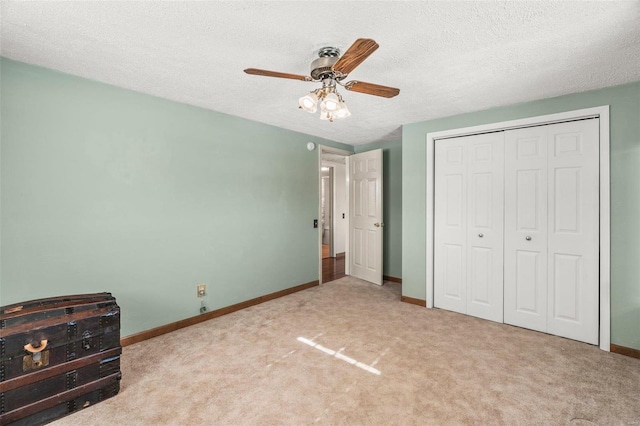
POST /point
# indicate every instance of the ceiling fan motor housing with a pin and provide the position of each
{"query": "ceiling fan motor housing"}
(321, 67)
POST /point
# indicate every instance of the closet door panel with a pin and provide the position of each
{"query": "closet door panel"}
(450, 230)
(528, 281)
(485, 226)
(573, 276)
(525, 235)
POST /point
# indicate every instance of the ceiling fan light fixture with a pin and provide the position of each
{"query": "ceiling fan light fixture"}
(309, 102)
(331, 102)
(343, 111)
(331, 68)
(327, 116)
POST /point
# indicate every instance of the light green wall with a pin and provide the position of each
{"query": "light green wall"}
(624, 104)
(105, 189)
(392, 204)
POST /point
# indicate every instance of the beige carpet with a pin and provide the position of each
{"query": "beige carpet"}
(350, 352)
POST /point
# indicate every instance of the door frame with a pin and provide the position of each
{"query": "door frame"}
(322, 149)
(601, 112)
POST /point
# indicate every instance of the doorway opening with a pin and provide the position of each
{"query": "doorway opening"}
(334, 213)
(326, 211)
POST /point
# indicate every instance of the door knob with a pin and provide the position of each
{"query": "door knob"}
(481, 235)
(528, 238)
(378, 225)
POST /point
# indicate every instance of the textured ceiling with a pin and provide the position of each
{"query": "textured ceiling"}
(446, 57)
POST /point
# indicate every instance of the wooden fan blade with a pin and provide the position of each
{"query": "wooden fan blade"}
(355, 55)
(266, 73)
(372, 89)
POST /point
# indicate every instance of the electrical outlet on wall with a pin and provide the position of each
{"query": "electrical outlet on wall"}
(202, 290)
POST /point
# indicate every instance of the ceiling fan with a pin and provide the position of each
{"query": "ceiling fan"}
(330, 68)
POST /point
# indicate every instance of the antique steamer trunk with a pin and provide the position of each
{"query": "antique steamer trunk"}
(57, 356)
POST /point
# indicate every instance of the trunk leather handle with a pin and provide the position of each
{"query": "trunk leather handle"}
(30, 348)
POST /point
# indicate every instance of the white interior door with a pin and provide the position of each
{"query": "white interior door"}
(573, 218)
(365, 211)
(525, 237)
(469, 189)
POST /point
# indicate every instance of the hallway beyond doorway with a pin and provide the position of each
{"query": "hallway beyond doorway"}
(333, 268)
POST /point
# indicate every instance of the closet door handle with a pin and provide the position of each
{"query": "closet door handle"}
(528, 238)
(480, 235)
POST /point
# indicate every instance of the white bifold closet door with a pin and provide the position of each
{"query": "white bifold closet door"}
(516, 232)
(552, 229)
(469, 232)
(525, 260)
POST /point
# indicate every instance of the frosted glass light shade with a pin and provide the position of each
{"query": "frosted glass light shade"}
(309, 102)
(331, 102)
(343, 112)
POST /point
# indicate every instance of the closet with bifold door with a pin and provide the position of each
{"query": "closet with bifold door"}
(516, 227)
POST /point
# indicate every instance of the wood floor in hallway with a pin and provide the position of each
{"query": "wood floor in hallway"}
(333, 268)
